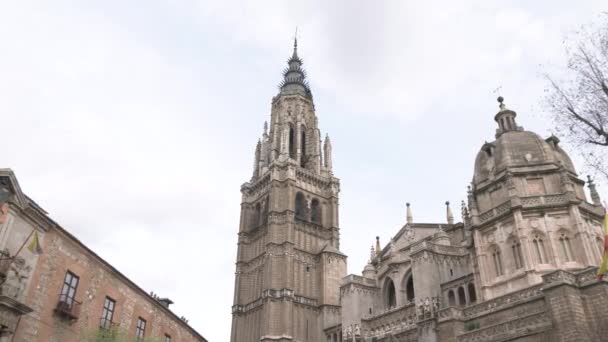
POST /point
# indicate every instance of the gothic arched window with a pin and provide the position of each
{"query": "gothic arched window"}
(517, 256)
(566, 250)
(292, 142)
(472, 294)
(462, 299)
(497, 260)
(315, 211)
(300, 206)
(258, 215)
(390, 294)
(265, 210)
(539, 249)
(409, 288)
(303, 156)
(451, 298)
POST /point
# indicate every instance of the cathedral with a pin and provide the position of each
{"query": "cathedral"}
(519, 266)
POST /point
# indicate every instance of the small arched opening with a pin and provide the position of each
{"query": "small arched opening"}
(409, 288)
(451, 298)
(292, 142)
(303, 156)
(265, 210)
(258, 215)
(300, 206)
(472, 294)
(497, 260)
(565, 247)
(517, 256)
(462, 299)
(539, 249)
(315, 211)
(390, 295)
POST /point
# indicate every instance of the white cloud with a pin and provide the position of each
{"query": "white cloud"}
(139, 123)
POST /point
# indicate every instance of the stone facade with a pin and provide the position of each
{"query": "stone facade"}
(35, 307)
(519, 267)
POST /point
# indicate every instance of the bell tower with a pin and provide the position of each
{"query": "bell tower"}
(288, 265)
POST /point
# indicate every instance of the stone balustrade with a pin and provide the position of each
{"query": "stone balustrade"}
(501, 302)
(528, 202)
(580, 278)
(520, 326)
(400, 319)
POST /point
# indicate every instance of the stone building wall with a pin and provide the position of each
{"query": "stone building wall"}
(41, 287)
(97, 280)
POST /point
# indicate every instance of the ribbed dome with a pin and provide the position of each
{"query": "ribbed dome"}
(518, 148)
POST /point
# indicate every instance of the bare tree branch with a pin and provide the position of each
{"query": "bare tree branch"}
(579, 105)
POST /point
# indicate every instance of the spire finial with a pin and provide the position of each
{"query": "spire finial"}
(501, 100)
(464, 211)
(265, 127)
(595, 196)
(409, 216)
(294, 77)
(295, 44)
(377, 245)
(449, 214)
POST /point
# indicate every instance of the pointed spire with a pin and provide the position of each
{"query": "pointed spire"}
(464, 211)
(327, 153)
(448, 212)
(377, 245)
(295, 46)
(409, 216)
(294, 77)
(595, 196)
(471, 198)
(372, 254)
(265, 128)
(256, 161)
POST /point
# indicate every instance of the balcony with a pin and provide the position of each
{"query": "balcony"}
(68, 307)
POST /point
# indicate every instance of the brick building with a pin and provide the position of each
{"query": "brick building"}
(64, 292)
(519, 267)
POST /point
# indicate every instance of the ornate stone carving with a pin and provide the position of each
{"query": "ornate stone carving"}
(521, 326)
(502, 301)
(3, 212)
(16, 279)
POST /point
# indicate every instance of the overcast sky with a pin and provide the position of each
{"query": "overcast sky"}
(134, 123)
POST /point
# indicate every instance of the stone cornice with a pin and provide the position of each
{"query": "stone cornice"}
(267, 295)
(15, 305)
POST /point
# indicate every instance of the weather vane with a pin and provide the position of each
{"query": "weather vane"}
(497, 90)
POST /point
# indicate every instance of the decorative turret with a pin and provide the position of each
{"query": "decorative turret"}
(378, 245)
(595, 196)
(294, 77)
(369, 271)
(505, 119)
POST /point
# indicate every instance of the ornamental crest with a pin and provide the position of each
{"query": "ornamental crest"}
(409, 234)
